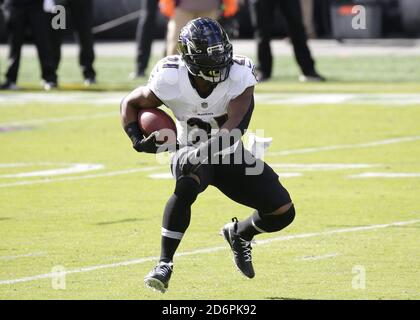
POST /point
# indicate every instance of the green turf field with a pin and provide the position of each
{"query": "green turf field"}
(353, 170)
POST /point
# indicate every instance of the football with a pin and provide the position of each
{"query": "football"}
(151, 120)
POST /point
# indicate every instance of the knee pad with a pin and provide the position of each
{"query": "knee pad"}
(275, 222)
(187, 189)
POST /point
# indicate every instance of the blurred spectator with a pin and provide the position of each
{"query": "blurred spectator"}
(20, 15)
(263, 14)
(2, 26)
(180, 12)
(81, 14)
(308, 17)
(144, 35)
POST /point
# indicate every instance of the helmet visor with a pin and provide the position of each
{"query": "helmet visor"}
(213, 66)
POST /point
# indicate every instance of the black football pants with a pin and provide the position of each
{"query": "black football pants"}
(262, 192)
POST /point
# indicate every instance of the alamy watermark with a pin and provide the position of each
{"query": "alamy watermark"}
(58, 278)
(216, 147)
(359, 279)
(58, 22)
(359, 20)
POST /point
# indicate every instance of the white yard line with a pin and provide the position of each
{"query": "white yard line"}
(59, 119)
(161, 176)
(72, 168)
(345, 146)
(279, 153)
(10, 100)
(389, 175)
(89, 176)
(104, 99)
(316, 258)
(321, 166)
(26, 255)
(208, 250)
(340, 99)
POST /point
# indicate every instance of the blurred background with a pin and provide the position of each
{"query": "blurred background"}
(118, 42)
(392, 19)
(342, 109)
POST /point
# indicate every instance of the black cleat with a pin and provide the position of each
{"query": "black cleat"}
(8, 85)
(90, 81)
(241, 249)
(49, 85)
(158, 278)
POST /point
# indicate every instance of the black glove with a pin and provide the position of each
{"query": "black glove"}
(148, 144)
(140, 143)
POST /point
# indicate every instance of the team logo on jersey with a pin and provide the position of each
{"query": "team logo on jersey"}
(204, 105)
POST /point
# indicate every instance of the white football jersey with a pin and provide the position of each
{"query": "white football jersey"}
(169, 81)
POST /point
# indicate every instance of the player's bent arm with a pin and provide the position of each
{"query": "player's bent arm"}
(240, 111)
(140, 98)
(239, 115)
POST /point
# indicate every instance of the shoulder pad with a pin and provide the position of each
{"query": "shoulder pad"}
(242, 66)
(169, 69)
(242, 74)
(164, 78)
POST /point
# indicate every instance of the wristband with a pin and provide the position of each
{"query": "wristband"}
(134, 133)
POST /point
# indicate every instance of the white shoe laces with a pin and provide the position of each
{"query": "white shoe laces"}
(163, 268)
(246, 246)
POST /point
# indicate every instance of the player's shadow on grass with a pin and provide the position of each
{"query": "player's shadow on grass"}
(5, 218)
(117, 221)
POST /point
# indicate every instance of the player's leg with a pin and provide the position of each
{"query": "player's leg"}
(266, 221)
(82, 18)
(145, 34)
(177, 215)
(176, 219)
(264, 193)
(212, 14)
(39, 24)
(262, 16)
(16, 20)
(296, 30)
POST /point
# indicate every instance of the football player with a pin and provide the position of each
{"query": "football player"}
(209, 89)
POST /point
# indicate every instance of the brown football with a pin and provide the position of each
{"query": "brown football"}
(153, 119)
